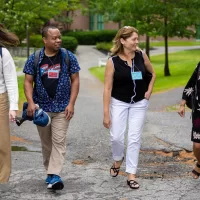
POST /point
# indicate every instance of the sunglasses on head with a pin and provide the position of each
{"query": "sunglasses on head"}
(1, 26)
(127, 27)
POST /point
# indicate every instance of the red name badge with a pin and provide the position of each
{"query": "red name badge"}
(53, 74)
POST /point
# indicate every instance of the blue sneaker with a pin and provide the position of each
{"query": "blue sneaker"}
(56, 183)
(48, 179)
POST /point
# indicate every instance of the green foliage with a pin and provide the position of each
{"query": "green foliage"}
(167, 18)
(67, 16)
(174, 43)
(17, 15)
(106, 8)
(92, 37)
(22, 97)
(68, 42)
(83, 37)
(36, 41)
(104, 46)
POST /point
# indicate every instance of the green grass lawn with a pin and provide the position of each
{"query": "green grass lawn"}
(181, 65)
(22, 98)
(175, 43)
(107, 45)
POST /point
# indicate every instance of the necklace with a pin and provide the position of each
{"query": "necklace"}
(51, 60)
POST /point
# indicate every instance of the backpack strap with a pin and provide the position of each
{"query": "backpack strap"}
(141, 53)
(148, 75)
(36, 59)
(67, 60)
(1, 51)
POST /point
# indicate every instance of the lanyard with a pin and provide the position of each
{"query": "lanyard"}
(133, 65)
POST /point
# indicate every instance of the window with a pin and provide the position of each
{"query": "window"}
(96, 22)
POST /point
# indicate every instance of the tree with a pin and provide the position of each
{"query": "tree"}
(66, 17)
(27, 16)
(16, 15)
(175, 18)
(128, 12)
(106, 8)
(140, 15)
(168, 18)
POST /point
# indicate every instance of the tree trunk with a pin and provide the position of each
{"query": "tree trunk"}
(120, 24)
(166, 68)
(27, 39)
(67, 24)
(147, 48)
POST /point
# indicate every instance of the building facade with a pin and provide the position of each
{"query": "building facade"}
(86, 22)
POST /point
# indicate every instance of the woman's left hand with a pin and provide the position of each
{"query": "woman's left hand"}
(12, 115)
(147, 95)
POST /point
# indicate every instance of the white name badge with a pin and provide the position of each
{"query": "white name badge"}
(136, 75)
(53, 74)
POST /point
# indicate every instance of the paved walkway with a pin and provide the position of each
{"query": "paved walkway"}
(164, 162)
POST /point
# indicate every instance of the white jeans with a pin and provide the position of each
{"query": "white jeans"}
(135, 113)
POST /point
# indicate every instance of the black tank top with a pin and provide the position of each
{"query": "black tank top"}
(124, 88)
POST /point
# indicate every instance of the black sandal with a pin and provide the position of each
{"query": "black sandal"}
(115, 169)
(133, 184)
(195, 172)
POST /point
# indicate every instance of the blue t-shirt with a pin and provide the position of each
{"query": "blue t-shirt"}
(40, 96)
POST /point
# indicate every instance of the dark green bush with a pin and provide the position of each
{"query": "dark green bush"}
(92, 37)
(104, 46)
(36, 41)
(69, 43)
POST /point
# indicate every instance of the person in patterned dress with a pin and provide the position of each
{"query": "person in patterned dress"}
(191, 93)
(54, 86)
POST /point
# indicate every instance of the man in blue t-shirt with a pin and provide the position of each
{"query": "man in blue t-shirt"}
(52, 84)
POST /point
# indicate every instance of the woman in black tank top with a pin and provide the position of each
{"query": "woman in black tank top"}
(126, 95)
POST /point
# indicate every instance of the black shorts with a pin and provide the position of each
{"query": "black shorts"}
(195, 136)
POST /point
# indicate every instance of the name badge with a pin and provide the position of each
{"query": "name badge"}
(53, 74)
(136, 75)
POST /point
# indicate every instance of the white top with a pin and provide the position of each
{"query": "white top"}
(8, 78)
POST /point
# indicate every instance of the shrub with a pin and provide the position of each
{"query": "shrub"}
(92, 37)
(83, 37)
(36, 41)
(69, 43)
(105, 46)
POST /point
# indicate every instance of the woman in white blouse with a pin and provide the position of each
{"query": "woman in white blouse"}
(8, 100)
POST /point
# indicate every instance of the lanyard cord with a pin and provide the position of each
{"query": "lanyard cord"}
(133, 65)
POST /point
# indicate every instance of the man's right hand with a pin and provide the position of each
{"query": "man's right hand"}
(31, 109)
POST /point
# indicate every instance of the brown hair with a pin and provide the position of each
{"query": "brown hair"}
(124, 33)
(7, 38)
